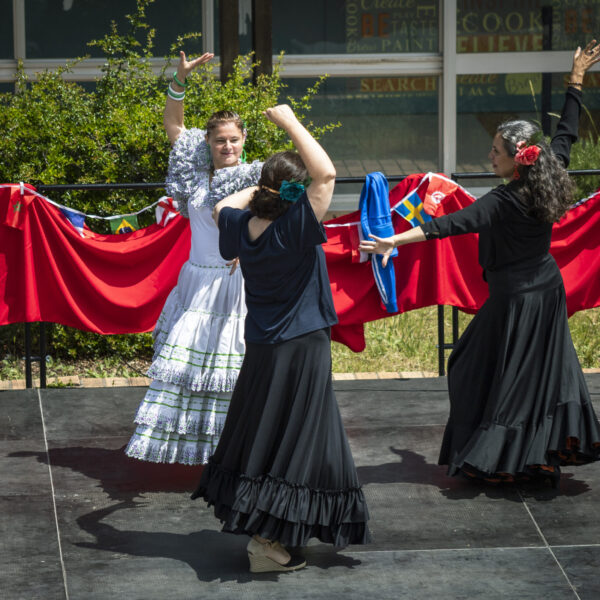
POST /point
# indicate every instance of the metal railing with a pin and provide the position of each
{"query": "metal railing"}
(442, 345)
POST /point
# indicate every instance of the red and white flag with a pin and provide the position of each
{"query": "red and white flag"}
(165, 210)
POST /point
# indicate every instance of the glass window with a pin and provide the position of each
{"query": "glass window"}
(388, 124)
(62, 29)
(517, 26)
(6, 29)
(355, 26)
(244, 27)
(484, 101)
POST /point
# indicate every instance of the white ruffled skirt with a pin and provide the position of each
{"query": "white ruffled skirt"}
(198, 352)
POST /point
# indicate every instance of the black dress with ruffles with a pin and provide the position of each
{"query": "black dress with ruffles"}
(519, 404)
(283, 467)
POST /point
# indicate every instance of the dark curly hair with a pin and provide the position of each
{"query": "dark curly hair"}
(545, 186)
(266, 204)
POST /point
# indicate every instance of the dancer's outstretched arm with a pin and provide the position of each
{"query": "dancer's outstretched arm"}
(173, 115)
(318, 164)
(384, 246)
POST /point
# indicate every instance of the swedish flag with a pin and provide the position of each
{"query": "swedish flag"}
(411, 208)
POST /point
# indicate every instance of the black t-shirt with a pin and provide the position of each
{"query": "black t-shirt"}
(507, 233)
(285, 275)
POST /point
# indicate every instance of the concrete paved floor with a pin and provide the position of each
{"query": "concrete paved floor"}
(79, 520)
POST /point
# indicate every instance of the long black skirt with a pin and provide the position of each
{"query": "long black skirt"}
(518, 398)
(283, 467)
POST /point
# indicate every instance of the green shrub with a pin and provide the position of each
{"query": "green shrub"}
(585, 154)
(56, 132)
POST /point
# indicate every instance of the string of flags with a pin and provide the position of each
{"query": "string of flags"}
(419, 206)
(165, 209)
(426, 200)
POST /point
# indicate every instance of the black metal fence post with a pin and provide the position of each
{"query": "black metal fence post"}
(42, 355)
(442, 346)
(441, 342)
(454, 326)
(28, 357)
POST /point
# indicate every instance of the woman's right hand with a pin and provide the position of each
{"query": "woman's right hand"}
(583, 60)
(185, 67)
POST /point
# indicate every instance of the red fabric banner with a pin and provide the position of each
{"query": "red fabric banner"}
(119, 283)
(446, 271)
(100, 283)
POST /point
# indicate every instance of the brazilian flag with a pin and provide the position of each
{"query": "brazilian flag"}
(124, 224)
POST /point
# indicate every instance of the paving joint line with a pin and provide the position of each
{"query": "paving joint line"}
(548, 547)
(470, 548)
(76, 381)
(60, 552)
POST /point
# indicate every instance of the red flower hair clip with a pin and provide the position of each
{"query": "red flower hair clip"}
(526, 155)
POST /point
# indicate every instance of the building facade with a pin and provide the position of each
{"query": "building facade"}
(417, 85)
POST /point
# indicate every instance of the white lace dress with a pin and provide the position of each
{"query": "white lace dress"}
(199, 336)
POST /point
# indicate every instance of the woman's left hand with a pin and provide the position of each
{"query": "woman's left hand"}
(584, 59)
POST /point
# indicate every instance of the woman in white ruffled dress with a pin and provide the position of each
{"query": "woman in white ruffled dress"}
(199, 336)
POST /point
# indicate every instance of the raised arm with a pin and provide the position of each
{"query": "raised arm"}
(173, 115)
(239, 200)
(567, 129)
(318, 164)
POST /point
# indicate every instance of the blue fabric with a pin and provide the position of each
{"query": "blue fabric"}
(285, 275)
(376, 219)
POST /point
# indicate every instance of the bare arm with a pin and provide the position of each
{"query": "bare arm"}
(385, 246)
(238, 200)
(319, 165)
(173, 115)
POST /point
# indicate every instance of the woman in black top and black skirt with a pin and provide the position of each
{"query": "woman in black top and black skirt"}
(283, 471)
(519, 405)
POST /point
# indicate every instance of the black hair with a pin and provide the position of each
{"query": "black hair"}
(268, 204)
(544, 186)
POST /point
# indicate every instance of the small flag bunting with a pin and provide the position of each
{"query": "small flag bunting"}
(411, 208)
(76, 219)
(165, 210)
(438, 188)
(124, 224)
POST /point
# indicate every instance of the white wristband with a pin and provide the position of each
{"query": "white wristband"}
(177, 96)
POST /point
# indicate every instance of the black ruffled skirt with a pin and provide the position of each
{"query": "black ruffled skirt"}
(518, 399)
(283, 467)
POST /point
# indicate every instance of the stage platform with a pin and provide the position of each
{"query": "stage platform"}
(80, 521)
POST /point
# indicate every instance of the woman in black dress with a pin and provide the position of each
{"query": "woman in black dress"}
(519, 405)
(283, 471)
